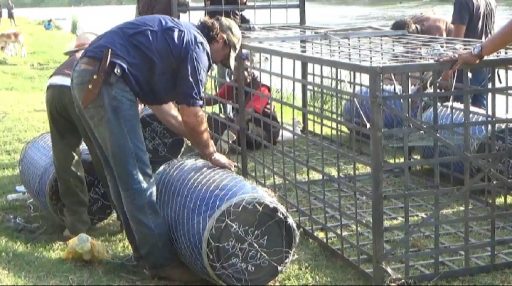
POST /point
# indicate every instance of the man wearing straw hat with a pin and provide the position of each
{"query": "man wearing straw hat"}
(163, 63)
(67, 133)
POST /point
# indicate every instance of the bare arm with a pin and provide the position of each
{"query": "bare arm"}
(435, 30)
(196, 128)
(194, 121)
(458, 31)
(493, 44)
(169, 115)
(498, 41)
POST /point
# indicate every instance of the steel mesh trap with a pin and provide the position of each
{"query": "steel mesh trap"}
(227, 230)
(367, 46)
(385, 171)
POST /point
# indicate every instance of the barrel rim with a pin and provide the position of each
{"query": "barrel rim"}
(271, 203)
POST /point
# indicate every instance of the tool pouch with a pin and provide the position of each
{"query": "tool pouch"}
(94, 87)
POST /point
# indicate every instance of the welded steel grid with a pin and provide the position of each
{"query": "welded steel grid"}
(432, 226)
(369, 47)
(295, 31)
(425, 224)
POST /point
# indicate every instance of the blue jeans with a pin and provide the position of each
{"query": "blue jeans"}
(112, 121)
(479, 78)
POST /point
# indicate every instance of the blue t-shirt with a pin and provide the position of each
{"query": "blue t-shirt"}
(164, 59)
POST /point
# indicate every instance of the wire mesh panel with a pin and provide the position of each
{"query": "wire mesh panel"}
(37, 174)
(358, 111)
(227, 230)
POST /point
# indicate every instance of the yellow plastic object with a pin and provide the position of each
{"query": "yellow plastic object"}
(83, 247)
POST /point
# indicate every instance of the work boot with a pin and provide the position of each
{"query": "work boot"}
(176, 271)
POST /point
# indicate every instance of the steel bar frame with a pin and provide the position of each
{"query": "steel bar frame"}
(365, 191)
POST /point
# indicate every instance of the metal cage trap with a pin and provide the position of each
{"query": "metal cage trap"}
(391, 167)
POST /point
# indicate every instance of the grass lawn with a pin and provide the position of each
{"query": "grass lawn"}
(28, 257)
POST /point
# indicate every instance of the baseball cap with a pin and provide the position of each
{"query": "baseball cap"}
(82, 41)
(233, 36)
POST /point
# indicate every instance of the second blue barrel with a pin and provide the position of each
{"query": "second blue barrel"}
(227, 230)
(359, 112)
(479, 137)
(162, 144)
(37, 174)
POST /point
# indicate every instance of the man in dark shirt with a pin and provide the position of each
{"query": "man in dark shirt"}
(474, 19)
(233, 14)
(160, 7)
(163, 63)
(424, 25)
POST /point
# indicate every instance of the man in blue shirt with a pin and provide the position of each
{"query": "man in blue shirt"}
(162, 63)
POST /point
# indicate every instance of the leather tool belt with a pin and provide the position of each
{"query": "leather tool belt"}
(94, 87)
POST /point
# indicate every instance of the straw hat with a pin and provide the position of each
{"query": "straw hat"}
(82, 41)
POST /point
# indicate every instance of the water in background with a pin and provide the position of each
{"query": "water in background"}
(338, 13)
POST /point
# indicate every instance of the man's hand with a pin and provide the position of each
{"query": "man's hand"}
(219, 160)
(463, 59)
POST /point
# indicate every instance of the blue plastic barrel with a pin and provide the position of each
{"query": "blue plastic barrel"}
(227, 230)
(162, 144)
(37, 174)
(479, 136)
(358, 110)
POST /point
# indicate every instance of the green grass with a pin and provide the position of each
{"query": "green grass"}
(35, 258)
